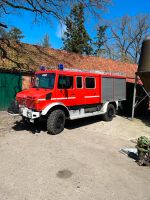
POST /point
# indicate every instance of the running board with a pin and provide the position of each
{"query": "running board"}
(77, 114)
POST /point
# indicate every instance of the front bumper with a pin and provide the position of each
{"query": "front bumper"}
(30, 114)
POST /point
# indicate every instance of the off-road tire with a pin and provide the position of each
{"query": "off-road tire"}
(108, 116)
(56, 122)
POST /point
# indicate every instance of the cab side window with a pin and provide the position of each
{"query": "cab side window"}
(90, 82)
(65, 82)
(79, 82)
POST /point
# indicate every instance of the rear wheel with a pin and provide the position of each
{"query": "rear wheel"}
(56, 122)
(108, 116)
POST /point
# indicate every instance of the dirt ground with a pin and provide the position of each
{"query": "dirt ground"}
(82, 163)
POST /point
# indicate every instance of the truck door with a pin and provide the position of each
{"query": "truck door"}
(92, 94)
(80, 100)
(65, 90)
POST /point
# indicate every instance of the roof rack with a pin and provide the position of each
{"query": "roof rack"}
(95, 71)
(90, 71)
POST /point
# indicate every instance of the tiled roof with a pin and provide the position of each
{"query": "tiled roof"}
(26, 56)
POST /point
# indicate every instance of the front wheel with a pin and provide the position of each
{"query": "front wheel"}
(56, 122)
(108, 116)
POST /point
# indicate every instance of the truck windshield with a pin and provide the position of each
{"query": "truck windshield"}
(45, 80)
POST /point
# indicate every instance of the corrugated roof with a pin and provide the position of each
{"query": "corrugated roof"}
(28, 57)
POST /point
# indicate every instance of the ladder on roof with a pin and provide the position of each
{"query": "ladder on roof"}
(91, 71)
(95, 71)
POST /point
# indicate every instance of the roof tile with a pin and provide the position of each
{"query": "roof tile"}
(32, 56)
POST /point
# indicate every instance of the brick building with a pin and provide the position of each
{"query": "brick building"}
(24, 59)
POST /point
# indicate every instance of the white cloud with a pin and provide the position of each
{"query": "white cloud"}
(61, 28)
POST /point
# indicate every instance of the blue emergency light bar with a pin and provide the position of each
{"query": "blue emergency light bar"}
(60, 67)
(42, 68)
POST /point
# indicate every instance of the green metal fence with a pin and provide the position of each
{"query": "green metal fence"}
(10, 84)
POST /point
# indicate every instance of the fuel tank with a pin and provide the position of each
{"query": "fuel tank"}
(144, 64)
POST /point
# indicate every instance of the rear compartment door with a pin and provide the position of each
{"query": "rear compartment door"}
(119, 89)
(107, 89)
(113, 89)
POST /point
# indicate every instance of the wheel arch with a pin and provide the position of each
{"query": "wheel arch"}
(114, 103)
(55, 106)
(105, 105)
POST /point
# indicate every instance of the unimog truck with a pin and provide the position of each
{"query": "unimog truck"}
(57, 95)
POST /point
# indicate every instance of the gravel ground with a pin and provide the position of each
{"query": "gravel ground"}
(82, 163)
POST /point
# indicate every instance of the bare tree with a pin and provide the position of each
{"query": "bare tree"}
(3, 25)
(45, 42)
(127, 37)
(142, 28)
(45, 8)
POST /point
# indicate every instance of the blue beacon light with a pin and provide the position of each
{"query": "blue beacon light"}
(42, 68)
(60, 67)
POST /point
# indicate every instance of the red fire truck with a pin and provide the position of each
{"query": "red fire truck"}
(58, 95)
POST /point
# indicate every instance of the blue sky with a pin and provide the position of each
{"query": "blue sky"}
(34, 32)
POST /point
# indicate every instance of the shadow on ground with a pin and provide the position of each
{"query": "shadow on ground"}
(70, 124)
(26, 126)
(73, 124)
(144, 118)
(41, 126)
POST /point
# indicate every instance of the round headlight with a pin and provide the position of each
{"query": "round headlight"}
(29, 114)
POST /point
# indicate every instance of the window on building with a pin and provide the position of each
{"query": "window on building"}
(65, 82)
(90, 82)
(79, 82)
